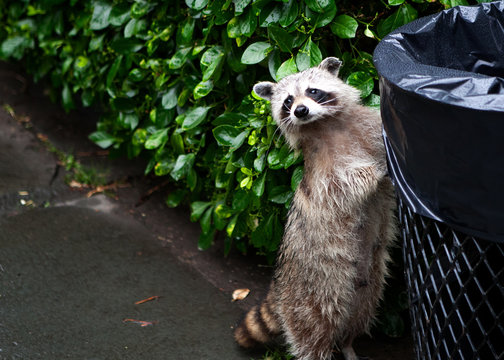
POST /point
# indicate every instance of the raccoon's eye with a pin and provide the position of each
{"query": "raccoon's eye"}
(313, 91)
(288, 101)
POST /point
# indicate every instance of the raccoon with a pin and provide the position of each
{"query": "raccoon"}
(332, 262)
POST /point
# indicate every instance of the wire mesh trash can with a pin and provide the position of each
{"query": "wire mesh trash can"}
(442, 104)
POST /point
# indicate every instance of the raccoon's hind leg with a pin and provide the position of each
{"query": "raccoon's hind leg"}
(349, 353)
(260, 325)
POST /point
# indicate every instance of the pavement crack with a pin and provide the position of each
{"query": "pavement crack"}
(55, 174)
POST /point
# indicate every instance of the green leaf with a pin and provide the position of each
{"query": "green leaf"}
(140, 8)
(243, 25)
(258, 187)
(113, 70)
(280, 194)
(185, 31)
(287, 68)
(179, 58)
(292, 158)
(240, 5)
(400, 17)
(228, 135)
(177, 143)
(206, 220)
(321, 18)
(128, 120)
(182, 166)
(175, 198)
(248, 23)
(211, 60)
(194, 117)
(230, 118)
(318, 5)
(260, 163)
(96, 43)
(270, 14)
(102, 139)
(223, 211)
(130, 28)
(100, 17)
(156, 139)
(123, 104)
(169, 100)
(203, 89)
(308, 56)
(198, 208)
(119, 14)
(296, 178)
(288, 13)
(139, 137)
(163, 167)
(126, 46)
(372, 100)
(397, 2)
(256, 52)
(263, 233)
(15, 47)
(241, 200)
(136, 75)
(451, 3)
(196, 4)
(233, 28)
(362, 81)
(206, 240)
(231, 225)
(66, 97)
(283, 39)
(344, 27)
(274, 63)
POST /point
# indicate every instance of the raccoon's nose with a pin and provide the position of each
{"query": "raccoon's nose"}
(301, 111)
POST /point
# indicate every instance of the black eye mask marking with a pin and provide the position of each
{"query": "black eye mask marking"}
(288, 102)
(287, 106)
(316, 94)
(320, 96)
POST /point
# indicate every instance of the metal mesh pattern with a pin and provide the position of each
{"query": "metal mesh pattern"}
(456, 290)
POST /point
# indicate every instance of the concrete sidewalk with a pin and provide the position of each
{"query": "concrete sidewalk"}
(70, 275)
(70, 278)
(73, 267)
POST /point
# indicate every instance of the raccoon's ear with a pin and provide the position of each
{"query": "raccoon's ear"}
(264, 89)
(331, 64)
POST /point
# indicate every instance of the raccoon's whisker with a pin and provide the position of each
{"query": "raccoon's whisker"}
(277, 129)
(285, 119)
(327, 101)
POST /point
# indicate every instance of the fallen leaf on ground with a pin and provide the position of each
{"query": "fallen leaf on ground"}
(155, 297)
(113, 186)
(142, 323)
(76, 184)
(42, 137)
(240, 294)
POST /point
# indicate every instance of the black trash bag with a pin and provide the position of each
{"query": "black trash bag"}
(442, 103)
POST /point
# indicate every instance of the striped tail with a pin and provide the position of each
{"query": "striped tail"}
(259, 326)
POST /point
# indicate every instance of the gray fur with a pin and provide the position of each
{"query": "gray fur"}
(333, 259)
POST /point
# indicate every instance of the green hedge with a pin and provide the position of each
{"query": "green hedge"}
(173, 80)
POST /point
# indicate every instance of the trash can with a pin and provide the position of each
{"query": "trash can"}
(442, 104)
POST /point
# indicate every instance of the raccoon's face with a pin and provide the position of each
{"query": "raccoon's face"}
(304, 97)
